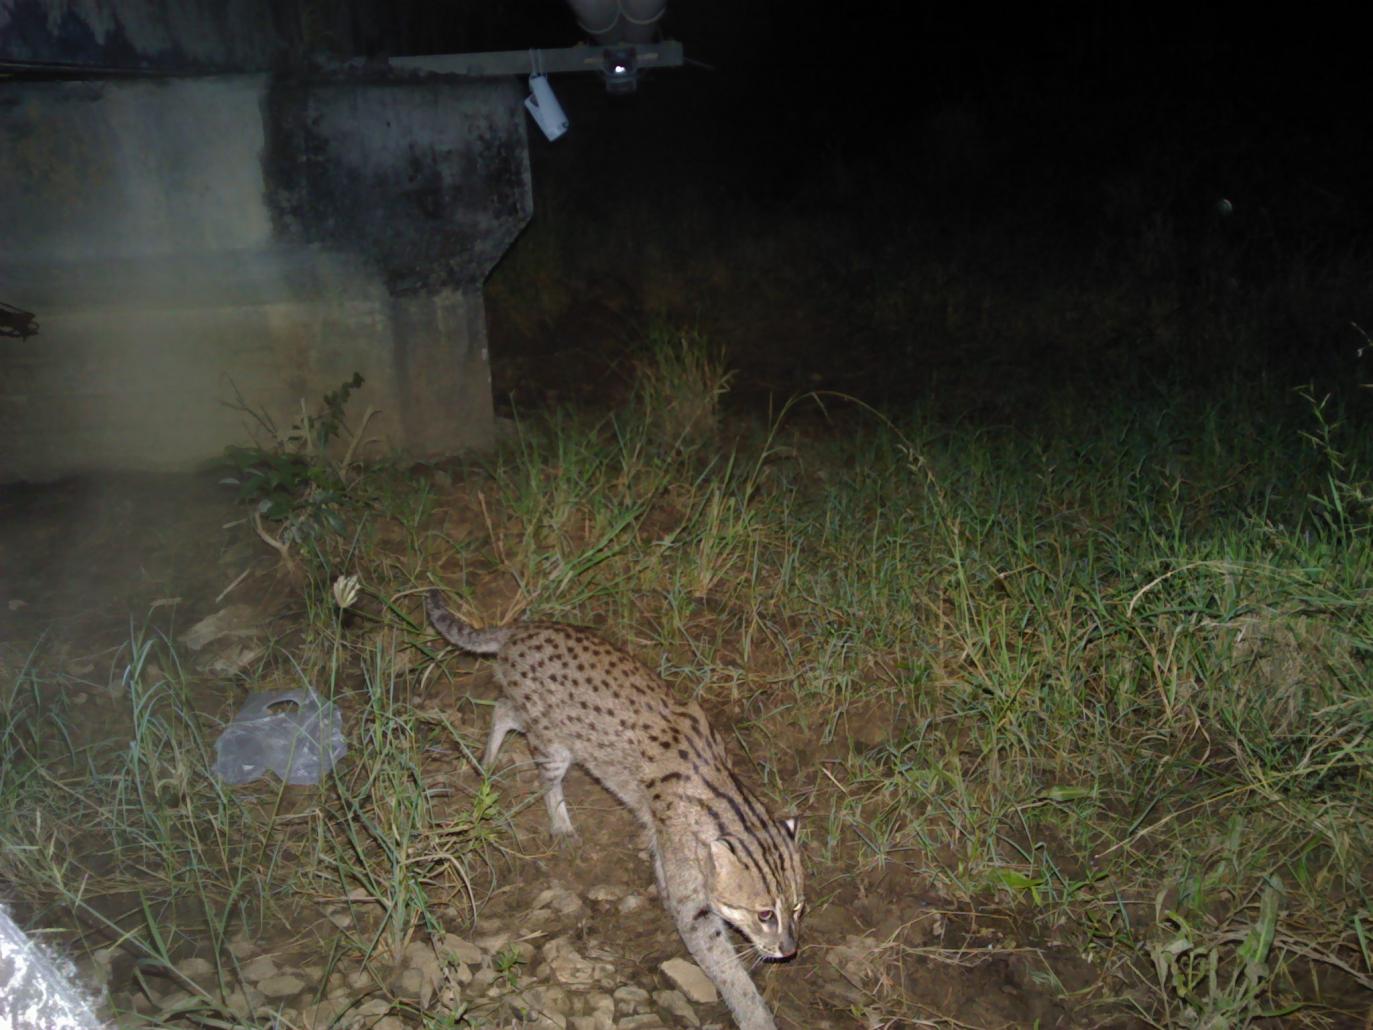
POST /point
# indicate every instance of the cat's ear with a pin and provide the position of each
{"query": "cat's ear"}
(791, 826)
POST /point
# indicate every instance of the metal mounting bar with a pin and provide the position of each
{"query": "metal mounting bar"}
(667, 54)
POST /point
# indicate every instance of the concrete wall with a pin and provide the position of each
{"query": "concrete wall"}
(185, 242)
(173, 34)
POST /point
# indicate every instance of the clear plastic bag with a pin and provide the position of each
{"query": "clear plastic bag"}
(300, 742)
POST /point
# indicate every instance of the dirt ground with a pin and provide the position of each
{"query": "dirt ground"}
(85, 559)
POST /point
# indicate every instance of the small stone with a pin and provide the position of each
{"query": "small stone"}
(559, 899)
(607, 892)
(243, 1002)
(629, 999)
(602, 1012)
(191, 968)
(463, 949)
(645, 1022)
(692, 982)
(281, 986)
(326, 1012)
(554, 1003)
(235, 620)
(675, 1003)
(631, 903)
(373, 1007)
(242, 947)
(424, 974)
(260, 968)
(568, 966)
(494, 942)
(411, 985)
(340, 917)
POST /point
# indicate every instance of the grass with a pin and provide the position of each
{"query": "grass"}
(1109, 673)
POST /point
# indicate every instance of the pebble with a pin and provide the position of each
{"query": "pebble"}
(191, 968)
(559, 899)
(464, 950)
(675, 1003)
(629, 999)
(281, 986)
(692, 982)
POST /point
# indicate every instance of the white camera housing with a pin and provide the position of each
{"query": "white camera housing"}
(545, 109)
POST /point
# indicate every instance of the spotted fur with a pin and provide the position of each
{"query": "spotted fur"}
(719, 855)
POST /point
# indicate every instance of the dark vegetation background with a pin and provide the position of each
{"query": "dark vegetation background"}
(911, 202)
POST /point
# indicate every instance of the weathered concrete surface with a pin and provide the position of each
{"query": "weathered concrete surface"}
(427, 181)
(215, 35)
(186, 242)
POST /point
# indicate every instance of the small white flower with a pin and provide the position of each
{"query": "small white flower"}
(345, 591)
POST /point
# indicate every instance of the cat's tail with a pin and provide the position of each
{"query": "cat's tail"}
(464, 635)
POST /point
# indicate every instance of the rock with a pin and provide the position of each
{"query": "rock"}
(424, 975)
(631, 903)
(260, 968)
(858, 959)
(326, 1012)
(607, 892)
(373, 1007)
(464, 950)
(339, 916)
(243, 1002)
(281, 986)
(646, 1022)
(552, 1003)
(242, 947)
(600, 1003)
(411, 985)
(629, 999)
(569, 967)
(559, 899)
(191, 968)
(233, 661)
(692, 982)
(235, 620)
(481, 980)
(675, 1003)
(494, 942)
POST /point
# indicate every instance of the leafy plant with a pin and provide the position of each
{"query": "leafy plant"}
(293, 482)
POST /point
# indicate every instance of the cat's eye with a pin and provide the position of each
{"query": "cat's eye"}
(767, 916)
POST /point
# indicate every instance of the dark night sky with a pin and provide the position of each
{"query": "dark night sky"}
(1263, 108)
